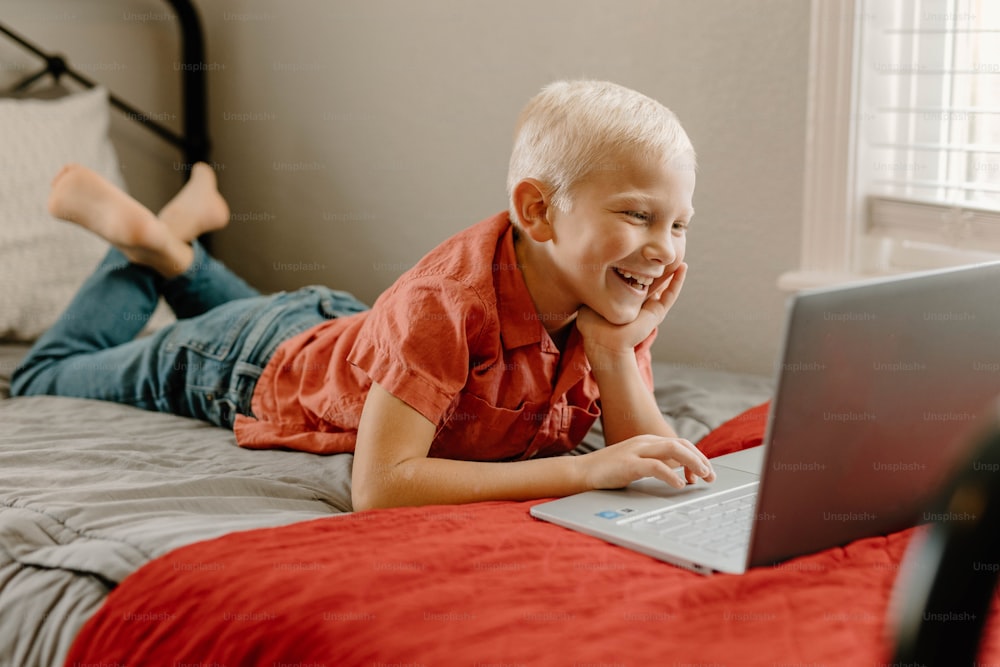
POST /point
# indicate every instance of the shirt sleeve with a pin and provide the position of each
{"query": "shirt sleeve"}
(418, 339)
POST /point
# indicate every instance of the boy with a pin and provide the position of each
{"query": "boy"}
(495, 352)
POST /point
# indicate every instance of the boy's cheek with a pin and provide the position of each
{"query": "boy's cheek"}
(674, 265)
(681, 252)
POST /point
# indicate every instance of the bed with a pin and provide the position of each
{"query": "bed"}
(136, 538)
(92, 492)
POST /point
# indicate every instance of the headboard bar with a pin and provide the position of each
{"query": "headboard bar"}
(193, 140)
(195, 97)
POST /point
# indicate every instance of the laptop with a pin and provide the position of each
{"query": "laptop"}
(879, 393)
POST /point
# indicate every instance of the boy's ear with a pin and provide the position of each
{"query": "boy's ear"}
(531, 205)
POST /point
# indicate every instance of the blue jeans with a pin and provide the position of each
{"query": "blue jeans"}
(205, 365)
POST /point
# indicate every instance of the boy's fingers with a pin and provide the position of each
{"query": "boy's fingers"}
(659, 286)
(685, 454)
(673, 288)
(665, 473)
(709, 477)
(664, 295)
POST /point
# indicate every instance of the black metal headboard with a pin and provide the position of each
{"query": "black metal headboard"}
(193, 138)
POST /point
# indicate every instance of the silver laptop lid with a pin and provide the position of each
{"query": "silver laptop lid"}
(878, 391)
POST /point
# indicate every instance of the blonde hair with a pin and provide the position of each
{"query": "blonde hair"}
(572, 129)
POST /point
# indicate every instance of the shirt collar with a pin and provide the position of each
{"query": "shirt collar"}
(520, 323)
(574, 364)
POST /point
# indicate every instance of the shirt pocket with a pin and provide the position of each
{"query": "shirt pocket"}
(573, 425)
(477, 430)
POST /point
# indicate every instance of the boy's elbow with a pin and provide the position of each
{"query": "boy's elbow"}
(362, 500)
(361, 506)
(372, 497)
(363, 503)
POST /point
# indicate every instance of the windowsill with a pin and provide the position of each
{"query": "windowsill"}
(795, 281)
(886, 257)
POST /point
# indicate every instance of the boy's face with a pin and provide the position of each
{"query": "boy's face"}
(623, 236)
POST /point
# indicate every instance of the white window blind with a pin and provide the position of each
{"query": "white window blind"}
(928, 151)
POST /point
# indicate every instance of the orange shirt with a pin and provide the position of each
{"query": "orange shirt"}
(458, 339)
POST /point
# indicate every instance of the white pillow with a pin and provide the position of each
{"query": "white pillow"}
(44, 260)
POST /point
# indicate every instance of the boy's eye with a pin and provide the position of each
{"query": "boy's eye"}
(680, 225)
(639, 215)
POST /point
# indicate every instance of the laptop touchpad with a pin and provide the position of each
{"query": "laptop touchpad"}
(725, 478)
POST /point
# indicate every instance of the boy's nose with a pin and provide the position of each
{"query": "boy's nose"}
(660, 249)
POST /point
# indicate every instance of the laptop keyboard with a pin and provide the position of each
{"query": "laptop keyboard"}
(720, 524)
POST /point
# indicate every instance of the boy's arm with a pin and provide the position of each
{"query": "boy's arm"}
(391, 467)
(628, 408)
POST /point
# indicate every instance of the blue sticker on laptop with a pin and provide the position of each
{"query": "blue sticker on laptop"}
(608, 514)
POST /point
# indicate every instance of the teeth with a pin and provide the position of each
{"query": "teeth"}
(639, 279)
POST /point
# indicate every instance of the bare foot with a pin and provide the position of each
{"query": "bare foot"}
(86, 198)
(197, 208)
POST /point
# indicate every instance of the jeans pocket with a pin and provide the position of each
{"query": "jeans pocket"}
(215, 333)
(212, 389)
(336, 303)
(242, 385)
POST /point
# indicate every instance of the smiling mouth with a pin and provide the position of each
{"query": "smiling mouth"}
(640, 283)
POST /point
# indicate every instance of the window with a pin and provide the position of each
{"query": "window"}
(904, 148)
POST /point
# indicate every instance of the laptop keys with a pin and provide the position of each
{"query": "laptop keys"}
(718, 525)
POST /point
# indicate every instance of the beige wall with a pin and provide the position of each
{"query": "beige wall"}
(351, 136)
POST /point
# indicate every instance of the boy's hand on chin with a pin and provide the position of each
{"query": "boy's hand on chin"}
(601, 336)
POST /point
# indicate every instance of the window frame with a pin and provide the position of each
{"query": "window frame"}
(837, 245)
(830, 207)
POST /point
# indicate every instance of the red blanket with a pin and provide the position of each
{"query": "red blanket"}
(486, 584)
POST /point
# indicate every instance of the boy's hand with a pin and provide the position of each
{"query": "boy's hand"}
(641, 456)
(600, 335)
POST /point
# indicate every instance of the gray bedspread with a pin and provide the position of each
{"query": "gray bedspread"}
(696, 399)
(90, 491)
(9, 356)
